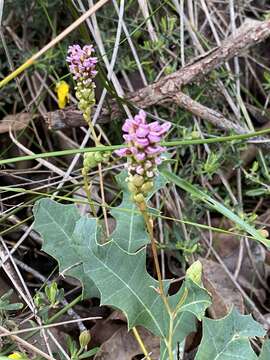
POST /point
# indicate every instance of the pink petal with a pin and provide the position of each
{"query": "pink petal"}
(127, 125)
(142, 131)
(142, 114)
(154, 126)
(165, 127)
(139, 170)
(141, 141)
(158, 160)
(152, 150)
(122, 152)
(134, 150)
(154, 138)
(128, 137)
(140, 156)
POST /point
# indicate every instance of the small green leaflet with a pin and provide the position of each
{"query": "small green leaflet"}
(215, 205)
(56, 223)
(228, 338)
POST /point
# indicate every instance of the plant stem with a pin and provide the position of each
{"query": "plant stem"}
(87, 191)
(170, 337)
(103, 205)
(171, 313)
(149, 225)
(141, 343)
(213, 140)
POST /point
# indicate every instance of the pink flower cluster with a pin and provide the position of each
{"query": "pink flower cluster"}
(81, 63)
(143, 139)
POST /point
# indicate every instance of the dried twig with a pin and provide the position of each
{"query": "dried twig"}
(168, 88)
(26, 344)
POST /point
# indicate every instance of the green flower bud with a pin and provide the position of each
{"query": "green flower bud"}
(194, 272)
(132, 188)
(89, 160)
(148, 186)
(98, 157)
(139, 198)
(195, 134)
(86, 93)
(137, 180)
(84, 338)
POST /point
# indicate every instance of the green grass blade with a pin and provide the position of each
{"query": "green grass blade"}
(215, 205)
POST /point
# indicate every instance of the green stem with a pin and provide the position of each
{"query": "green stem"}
(214, 140)
(88, 194)
(141, 343)
(149, 225)
(170, 338)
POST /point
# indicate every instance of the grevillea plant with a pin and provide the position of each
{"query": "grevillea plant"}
(115, 270)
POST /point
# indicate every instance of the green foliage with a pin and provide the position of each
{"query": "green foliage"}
(49, 299)
(57, 222)
(198, 194)
(5, 304)
(121, 277)
(228, 338)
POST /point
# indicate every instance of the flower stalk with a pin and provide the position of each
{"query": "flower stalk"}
(83, 67)
(144, 154)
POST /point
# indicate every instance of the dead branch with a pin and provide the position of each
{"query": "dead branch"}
(71, 117)
(250, 33)
(168, 88)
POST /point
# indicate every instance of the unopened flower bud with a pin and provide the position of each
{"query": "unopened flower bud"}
(137, 180)
(195, 134)
(139, 198)
(131, 187)
(98, 157)
(84, 338)
(150, 174)
(148, 186)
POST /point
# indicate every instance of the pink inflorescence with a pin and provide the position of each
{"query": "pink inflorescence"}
(144, 151)
(81, 63)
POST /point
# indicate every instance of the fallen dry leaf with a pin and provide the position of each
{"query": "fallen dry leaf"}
(123, 345)
(224, 294)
